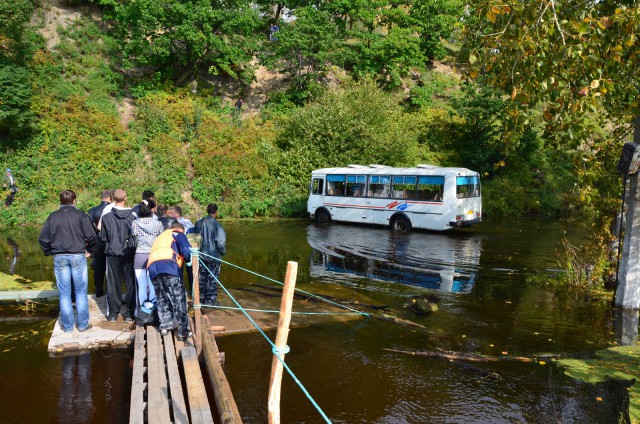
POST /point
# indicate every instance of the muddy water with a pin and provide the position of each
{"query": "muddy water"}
(487, 302)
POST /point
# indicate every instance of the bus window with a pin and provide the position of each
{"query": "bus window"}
(467, 187)
(379, 185)
(403, 187)
(317, 185)
(356, 185)
(335, 185)
(430, 188)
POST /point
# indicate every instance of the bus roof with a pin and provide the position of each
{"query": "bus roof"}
(388, 170)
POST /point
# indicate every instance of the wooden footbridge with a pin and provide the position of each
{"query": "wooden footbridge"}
(167, 385)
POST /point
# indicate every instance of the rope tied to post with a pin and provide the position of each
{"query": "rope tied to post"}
(281, 351)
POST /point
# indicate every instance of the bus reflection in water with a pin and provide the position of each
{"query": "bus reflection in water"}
(431, 260)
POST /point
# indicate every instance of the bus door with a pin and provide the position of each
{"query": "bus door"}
(379, 197)
(356, 208)
(316, 191)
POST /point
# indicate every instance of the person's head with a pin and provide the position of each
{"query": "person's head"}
(68, 197)
(119, 196)
(8, 171)
(212, 209)
(106, 195)
(176, 226)
(146, 208)
(148, 195)
(175, 211)
(162, 210)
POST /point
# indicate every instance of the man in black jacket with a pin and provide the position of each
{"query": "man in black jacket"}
(99, 263)
(213, 245)
(114, 232)
(68, 235)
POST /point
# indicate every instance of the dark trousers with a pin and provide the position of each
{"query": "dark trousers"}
(120, 268)
(208, 284)
(99, 265)
(171, 299)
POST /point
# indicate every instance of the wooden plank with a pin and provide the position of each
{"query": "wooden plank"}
(136, 412)
(175, 384)
(225, 402)
(198, 402)
(157, 402)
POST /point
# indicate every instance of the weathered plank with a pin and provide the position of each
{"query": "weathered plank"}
(198, 403)
(175, 384)
(157, 402)
(225, 402)
(138, 385)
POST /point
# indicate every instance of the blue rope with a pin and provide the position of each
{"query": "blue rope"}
(282, 284)
(273, 346)
(276, 312)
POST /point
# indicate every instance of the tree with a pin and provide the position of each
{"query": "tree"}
(16, 48)
(567, 57)
(183, 38)
(436, 20)
(304, 47)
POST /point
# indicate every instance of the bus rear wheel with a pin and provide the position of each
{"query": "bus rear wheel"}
(323, 216)
(401, 224)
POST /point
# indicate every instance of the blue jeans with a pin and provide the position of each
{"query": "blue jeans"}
(68, 268)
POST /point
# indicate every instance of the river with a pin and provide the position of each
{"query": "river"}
(489, 283)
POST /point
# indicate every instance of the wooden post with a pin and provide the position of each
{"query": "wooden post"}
(281, 342)
(222, 394)
(195, 266)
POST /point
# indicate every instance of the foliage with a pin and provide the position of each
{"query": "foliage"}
(17, 42)
(183, 38)
(620, 363)
(436, 20)
(590, 265)
(358, 124)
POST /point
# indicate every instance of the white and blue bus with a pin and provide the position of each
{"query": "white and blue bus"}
(426, 196)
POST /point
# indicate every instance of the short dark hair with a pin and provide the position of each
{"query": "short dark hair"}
(177, 226)
(146, 207)
(148, 194)
(162, 209)
(106, 194)
(212, 208)
(67, 197)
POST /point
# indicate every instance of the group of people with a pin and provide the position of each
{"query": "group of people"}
(145, 247)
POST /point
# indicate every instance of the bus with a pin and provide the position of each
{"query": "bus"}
(425, 196)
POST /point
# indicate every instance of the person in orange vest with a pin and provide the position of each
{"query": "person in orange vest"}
(168, 252)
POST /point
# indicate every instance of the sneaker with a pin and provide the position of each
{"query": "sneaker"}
(164, 332)
(128, 319)
(182, 337)
(112, 319)
(88, 327)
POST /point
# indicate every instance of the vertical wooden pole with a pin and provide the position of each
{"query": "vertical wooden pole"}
(281, 342)
(195, 266)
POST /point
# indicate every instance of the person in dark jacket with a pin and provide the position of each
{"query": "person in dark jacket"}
(114, 232)
(168, 253)
(213, 244)
(68, 235)
(99, 262)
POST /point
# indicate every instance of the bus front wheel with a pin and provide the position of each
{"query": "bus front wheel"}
(401, 224)
(323, 216)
